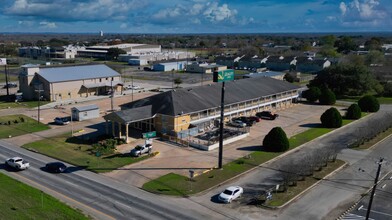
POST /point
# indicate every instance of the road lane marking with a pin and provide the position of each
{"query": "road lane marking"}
(66, 197)
(381, 213)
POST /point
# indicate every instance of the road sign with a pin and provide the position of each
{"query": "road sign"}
(223, 75)
(150, 134)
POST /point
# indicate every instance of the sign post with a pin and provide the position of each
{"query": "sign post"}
(222, 76)
(3, 62)
(150, 134)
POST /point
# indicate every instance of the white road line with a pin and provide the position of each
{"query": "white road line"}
(382, 213)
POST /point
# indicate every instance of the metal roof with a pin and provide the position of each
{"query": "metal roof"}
(194, 99)
(75, 73)
(85, 108)
(264, 74)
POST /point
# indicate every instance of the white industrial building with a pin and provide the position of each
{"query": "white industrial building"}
(164, 67)
(157, 56)
(82, 113)
(101, 51)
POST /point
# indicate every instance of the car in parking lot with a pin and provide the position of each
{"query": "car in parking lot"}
(246, 120)
(254, 118)
(267, 115)
(237, 123)
(230, 193)
(55, 167)
(10, 85)
(61, 121)
(132, 87)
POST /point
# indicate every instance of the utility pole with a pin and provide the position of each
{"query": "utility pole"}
(6, 80)
(374, 188)
(132, 86)
(222, 118)
(111, 95)
(39, 100)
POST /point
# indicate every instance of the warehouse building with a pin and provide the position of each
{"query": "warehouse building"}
(177, 111)
(67, 82)
(164, 67)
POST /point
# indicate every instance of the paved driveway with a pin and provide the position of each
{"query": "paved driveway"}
(180, 159)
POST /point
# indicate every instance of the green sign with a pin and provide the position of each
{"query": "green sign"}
(150, 134)
(224, 75)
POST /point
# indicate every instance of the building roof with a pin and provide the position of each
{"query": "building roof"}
(264, 74)
(194, 99)
(131, 115)
(85, 108)
(74, 73)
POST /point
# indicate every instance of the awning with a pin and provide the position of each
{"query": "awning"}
(131, 115)
(104, 84)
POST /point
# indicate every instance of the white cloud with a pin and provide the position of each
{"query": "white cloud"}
(364, 13)
(343, 8)
(216, 13)
(49, 25)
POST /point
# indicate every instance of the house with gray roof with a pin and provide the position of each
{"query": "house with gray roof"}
(178, 110)
(67, 82)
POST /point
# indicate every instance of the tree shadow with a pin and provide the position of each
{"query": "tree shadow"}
(249, 148)
(118, 156)
(311, 125)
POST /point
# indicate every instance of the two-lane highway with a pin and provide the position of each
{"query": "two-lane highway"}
(102, 197)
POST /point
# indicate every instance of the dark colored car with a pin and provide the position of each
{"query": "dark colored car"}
(254, 118)
(10, 85)
(267, 115)
(55, 167)
(246, 120)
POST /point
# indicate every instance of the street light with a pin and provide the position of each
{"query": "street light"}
(39, 85)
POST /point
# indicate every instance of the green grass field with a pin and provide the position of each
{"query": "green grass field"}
(24, 104)
(381, 100)
(78, 153)
(20, 201)
(20, 128)
(177, 185)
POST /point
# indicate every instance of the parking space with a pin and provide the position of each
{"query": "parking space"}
(179, 160)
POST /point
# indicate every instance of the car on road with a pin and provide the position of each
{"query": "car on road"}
(10, 85)
(230, 193)
(55, 167)
(267, 115)
(17, 163)
(237, 123)
(61, 121)
(141, 149)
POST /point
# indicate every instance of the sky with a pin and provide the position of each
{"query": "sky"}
(195, 16)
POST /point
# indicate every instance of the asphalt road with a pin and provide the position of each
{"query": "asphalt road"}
(99, 196)
(328, 199)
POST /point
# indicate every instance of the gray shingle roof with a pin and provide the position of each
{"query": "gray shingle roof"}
(130, 115)
(73, 73)
(188, 100)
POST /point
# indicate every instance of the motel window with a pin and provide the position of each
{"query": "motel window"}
(112, 78)
(100, 80)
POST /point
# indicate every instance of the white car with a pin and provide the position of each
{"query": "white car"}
(230, 194)
(17, 163)
(134, 87)
(237, 123)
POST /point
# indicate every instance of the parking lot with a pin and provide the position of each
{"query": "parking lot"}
(180, 160)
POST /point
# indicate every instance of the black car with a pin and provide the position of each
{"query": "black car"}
(55, 167)
(246, 120)
(267, 115)
(10, 85)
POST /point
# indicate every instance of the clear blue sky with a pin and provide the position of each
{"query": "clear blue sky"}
(195, 16)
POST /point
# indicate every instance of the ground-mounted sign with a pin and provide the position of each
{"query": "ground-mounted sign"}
(223, 75)
(150, 134)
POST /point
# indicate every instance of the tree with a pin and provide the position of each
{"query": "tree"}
(369, 103)
(114, 52)
(331, 118)
(345, 45)
(276, 140)
(327, 97)
(353, 112)
(177, 81)
(288, 77)
(374, 57)
(312, 94)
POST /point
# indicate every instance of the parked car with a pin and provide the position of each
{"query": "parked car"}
(10, 85)
(267, 115)
(246, 120)
(17, 163)
(230, 193)
(254, 118)
(237, 123)
(61, 121)
(147, 68)
(141, 149)
(134, 87)
(55, 167)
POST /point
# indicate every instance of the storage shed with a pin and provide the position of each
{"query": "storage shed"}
(85, 112)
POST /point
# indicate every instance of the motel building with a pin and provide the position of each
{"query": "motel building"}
(187, 111)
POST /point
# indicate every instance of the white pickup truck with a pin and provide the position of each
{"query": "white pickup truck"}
(17, 163)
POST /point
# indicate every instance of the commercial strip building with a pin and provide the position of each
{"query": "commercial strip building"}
(101, 51)
(204, 68)
(198, 108)
(151, 57)
(63, 83)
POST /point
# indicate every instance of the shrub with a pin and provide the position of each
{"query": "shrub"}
(327, 97)
(369, 103)
(312, 94)
(105, 147)
(353, 112)
(276, 140)
(331, 118)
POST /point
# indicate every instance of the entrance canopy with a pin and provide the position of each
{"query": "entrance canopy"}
(131, 115)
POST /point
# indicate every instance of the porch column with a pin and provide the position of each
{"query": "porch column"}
(113, 124)
(119, 129)
(106, 127)
(126, 133)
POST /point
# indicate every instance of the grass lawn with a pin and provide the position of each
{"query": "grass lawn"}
(280, 198)
(177, 185)
(11, 78)
(381, 100)
(15, 129)
(20, 201)
(78, 153)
